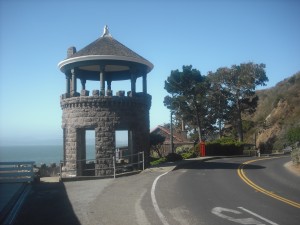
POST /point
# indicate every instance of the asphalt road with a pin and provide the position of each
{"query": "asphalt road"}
(212, 192)
(222, 191)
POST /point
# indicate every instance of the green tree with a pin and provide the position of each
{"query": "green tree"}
(293, 135)
(156, 142)
(218, 97)
(240, 81)
(188, 100)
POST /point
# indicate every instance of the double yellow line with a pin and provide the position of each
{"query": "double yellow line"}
(242, 175)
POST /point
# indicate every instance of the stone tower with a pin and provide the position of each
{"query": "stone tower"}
(105, 61)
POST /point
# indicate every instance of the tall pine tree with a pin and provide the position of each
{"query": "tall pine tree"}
(188, 89)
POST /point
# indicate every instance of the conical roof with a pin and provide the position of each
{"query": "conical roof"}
(103, 49)
(107, 45)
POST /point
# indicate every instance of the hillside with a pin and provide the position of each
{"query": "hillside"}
(278, 110)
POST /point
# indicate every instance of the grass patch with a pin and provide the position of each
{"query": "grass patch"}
(156, 162)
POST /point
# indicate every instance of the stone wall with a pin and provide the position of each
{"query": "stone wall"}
(105, 115)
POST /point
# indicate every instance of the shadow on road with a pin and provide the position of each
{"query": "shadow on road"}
(209, 165)
(47, 204)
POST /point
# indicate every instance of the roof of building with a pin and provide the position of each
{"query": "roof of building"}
(107, 45)
(106, 48)
(177, 137)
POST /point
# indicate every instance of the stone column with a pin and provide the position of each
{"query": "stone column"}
(67, 85)
(145, 83)
(133, 84)
(109, 91)
(74, 87)
(70, 151)
(83, 82)
(83, 91)
(105, 149)
(102, 80)
(108, 84)
(80, 152)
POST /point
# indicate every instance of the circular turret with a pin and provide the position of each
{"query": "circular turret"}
(105, 60)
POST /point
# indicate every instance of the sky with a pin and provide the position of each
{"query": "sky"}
(207, 34)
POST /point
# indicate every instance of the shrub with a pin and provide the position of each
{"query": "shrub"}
(158, 161)
(295, 154)
(224, 146)
(49, 171)
(293, 135)
(196, 150)
(172, 157)
(187, 151)
(188, 155)
(267, 147)
(183, 149)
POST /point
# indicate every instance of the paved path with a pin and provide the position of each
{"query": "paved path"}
(9, 193)
(83, 203)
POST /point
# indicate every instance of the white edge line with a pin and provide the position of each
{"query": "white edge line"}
(154, 202)
(258, 216)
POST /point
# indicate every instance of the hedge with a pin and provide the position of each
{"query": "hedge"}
(222, 147)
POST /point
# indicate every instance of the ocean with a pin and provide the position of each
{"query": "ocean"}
(38, 153)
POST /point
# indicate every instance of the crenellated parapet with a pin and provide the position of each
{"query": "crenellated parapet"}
(139, 100)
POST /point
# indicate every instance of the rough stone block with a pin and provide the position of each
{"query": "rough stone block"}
(75, 94)
(95, 92)
(84, 93)
(65, 95)
(120, 93)
(109, 92)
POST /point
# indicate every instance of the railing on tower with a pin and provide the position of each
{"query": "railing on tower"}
(122, 163)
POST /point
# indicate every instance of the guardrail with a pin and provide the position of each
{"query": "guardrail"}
(16, 172)
(121, 165)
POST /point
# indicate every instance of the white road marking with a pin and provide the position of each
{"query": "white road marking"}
(218, 211)
(258, 216)
(154, 202)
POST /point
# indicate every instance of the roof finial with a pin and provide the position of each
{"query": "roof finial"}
(105, 31)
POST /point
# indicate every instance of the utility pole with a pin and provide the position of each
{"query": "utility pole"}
(171, 133)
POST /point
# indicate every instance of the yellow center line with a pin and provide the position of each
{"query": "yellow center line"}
(243, 176)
